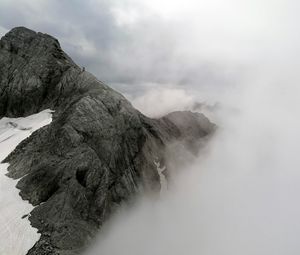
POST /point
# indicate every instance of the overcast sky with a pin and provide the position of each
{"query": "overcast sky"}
(138, 45)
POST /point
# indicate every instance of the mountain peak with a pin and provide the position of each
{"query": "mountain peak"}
(22, 37)
(21, 32)
(97, 153)
(31, 67)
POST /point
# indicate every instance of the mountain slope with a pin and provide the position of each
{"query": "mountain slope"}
(97, 152)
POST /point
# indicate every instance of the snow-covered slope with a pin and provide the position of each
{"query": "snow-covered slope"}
(16, 234)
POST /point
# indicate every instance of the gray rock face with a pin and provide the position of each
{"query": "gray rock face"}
(97, 153)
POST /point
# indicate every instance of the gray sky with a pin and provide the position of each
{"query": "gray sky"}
(139, 45)
(135, 44)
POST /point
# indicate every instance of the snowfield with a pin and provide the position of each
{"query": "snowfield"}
(16, 234)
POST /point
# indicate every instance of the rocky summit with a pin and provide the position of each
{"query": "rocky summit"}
(98, 151)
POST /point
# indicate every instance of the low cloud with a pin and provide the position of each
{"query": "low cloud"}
(240, 195)
(3, 31)
(158, 102)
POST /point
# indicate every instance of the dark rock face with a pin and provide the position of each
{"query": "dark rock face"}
(97, 153)
(31, 66)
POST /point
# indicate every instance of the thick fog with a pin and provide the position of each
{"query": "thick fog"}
(240, 196)
(240, 59)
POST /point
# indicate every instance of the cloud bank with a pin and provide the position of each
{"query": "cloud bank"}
(240, 195)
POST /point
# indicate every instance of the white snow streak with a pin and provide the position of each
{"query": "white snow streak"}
(162, 177)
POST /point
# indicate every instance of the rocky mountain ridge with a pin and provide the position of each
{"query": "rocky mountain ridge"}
(96, 154)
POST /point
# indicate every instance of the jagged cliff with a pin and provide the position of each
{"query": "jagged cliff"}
(98, 152)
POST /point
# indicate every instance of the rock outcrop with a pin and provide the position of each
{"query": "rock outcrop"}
(97, 153)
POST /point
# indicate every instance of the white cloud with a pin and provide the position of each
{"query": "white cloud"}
(239, 197)
(3, 31)
(159, 101)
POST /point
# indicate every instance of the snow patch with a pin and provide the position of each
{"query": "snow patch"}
(16, 234)
(162, 177)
